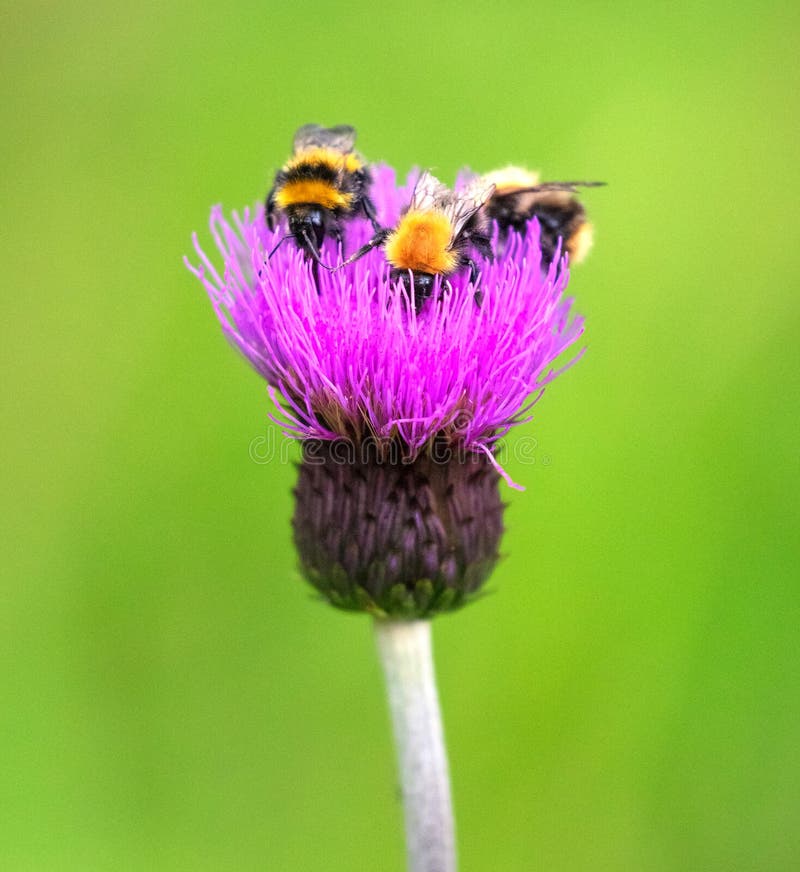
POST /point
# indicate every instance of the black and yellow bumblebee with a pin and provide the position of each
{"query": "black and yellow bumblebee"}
(519, 196)
(434, 235)
(323, 184)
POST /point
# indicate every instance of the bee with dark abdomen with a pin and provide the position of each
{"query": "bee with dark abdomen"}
(434, 235)
(323, 184)
(518, 197)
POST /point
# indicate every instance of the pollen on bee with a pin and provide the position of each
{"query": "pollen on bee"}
(420, 243)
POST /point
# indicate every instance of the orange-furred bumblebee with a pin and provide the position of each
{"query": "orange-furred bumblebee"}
(519, 196)
(323, 184)
(434, 235)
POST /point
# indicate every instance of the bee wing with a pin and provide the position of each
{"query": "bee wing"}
(429, 193)
(569, 187)
(464, 204)
(341, 138)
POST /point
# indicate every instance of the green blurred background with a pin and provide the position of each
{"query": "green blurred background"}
(172, 698)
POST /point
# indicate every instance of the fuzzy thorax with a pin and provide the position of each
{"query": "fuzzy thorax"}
(421, 243)
(317, 192)
(401, 540)
(326, 158)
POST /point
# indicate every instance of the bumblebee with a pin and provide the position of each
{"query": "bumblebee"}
(518, 196)
(434, 235)
(323, 184)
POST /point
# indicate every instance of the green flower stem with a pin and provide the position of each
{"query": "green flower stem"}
(407, 658)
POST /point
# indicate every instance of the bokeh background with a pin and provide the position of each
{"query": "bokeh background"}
(172, 697)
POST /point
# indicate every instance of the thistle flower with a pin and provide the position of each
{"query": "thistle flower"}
(400, 412)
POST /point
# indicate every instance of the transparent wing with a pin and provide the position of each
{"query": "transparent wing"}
(479, 189)
(544, 187)
(463, 205)
(429, 193)
(341, 138)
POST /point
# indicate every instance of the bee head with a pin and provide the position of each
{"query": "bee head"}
(419, 282)
(307, 223)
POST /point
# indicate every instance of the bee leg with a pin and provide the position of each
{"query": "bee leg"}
(474, 274)
(369, 210)
(377, 239)
(442, 288)
(483, 244)
(270, 210)
(336, 232)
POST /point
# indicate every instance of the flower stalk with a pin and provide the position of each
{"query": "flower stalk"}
(407, 659)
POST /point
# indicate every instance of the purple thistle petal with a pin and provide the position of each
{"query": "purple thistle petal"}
(353, 359)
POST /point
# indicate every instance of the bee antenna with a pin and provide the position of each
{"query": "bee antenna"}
(314, 252)
(278, 244)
